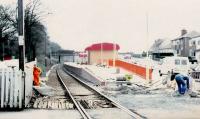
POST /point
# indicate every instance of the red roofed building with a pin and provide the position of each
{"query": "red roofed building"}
(102, 52)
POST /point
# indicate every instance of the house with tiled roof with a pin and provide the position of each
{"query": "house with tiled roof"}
(184, 45)
(161, 49)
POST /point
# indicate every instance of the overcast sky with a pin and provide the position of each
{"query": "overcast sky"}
(75, 24)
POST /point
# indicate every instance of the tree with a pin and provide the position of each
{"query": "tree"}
(7, 30)
(35, 31)
(36, 37)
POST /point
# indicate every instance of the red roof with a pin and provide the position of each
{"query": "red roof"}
(105, 46)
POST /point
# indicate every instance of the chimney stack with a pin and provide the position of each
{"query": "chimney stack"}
(183, 32)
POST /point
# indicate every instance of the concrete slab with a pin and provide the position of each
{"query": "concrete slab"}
(41, 114)
(108, 113)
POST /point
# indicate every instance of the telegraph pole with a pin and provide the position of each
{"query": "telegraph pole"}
(21, 34)
(21, 44)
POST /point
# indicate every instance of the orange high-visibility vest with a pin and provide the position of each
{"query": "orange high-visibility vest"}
(36, 75)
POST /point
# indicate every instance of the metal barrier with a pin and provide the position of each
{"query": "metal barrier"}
(137, 69)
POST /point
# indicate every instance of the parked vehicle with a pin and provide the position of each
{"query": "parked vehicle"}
(174, 65)
(192, 59)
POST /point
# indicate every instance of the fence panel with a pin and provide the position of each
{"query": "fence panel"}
(7, 87)
(2, 88)
(11, 88)
(28, 81)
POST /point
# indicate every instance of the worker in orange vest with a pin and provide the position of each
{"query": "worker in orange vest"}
(36, 75)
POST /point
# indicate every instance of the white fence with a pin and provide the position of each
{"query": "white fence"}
(12, 87)
(28, 81)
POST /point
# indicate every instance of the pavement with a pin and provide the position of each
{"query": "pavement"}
(151, 100)
(156, 102)
(41, 114)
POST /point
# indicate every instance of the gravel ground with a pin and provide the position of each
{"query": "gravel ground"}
(53, 80)
(54, 96)
(85, 94)
(158, 104)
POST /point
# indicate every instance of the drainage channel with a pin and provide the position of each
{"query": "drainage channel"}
(95, 104)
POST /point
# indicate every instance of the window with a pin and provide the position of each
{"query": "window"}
(176, 47)
(193, 43)
(191, 52)
(178, 52)
(198, 42)
(177, 62)
(184, 62)
(177, 42)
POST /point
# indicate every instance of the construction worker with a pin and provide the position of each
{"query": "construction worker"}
(36, 75)
(184, 82)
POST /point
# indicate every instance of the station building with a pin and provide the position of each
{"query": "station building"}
(102, 52)
(161, 48)
(63, 56)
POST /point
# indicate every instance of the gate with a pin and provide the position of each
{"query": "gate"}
(13, 86)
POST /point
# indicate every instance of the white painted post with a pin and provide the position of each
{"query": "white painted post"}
(2, 88)
(7, 87)
(20, 88)
(11, 89)
(15, 87)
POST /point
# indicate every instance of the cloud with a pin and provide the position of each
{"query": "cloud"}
(75, 24)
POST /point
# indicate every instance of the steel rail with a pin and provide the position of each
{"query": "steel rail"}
(82, 111)
(133, 114)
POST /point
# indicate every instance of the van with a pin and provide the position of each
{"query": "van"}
(174, 65)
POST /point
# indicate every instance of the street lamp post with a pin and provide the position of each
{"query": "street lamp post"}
(147, 57)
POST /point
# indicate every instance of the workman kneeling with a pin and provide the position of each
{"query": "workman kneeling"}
(36, 75)
(183, 83)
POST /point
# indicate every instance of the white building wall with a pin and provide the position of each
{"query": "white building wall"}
(197, 42)
(95, 56)
(198, 56)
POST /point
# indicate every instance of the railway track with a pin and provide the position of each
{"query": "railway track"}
(88, 101)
